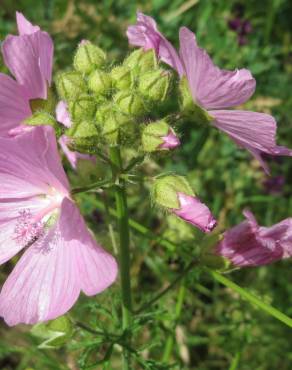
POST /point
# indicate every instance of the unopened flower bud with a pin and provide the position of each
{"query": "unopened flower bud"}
(99, 82)
(129, 103)
(116, 128)
(103, 112)
(154, 85)
(70, 85)
(175, 194)
(83, 129)
(83, 108)
(88, 57)
(122, 77)
(159, 136)
(110, 130)
(142, 61)
(192, 110)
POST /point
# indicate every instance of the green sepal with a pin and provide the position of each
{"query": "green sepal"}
(165, 189)
(47, 105)
(152, 135)
(88, 145)
(189, 107)
(55, 333)
(41, 118)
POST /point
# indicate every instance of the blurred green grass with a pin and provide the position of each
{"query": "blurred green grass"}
(215, 326)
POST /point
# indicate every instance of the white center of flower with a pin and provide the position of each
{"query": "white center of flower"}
(30, 226)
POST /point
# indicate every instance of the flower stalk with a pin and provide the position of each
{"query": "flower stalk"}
(124, 241)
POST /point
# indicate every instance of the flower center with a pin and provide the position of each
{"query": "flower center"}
(31, 227)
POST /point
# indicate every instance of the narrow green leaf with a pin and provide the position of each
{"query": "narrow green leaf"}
(251, 298)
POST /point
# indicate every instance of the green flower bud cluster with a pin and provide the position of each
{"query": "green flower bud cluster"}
(107, 103)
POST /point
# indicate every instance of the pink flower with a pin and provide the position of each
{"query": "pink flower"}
(195, 212)
(37, 214)
(215, 90)
(249, 244)
(170, 141)
(146, 35)
(63, 116)
(29, 57)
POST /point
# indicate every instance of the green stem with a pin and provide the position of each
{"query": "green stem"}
(178, 308)
(251, 298)
(124, 250)
(90, 187)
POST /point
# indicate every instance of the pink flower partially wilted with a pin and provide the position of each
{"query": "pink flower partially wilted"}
(193, 211)
(29, 57)
(249, 244)
(63, 116)
(61, 257)
(170, 141)
(214, 90)
(146, 35)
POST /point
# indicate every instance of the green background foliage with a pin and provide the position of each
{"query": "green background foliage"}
(214, 329)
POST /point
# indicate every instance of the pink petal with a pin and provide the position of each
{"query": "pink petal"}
(10, 220)
(170, 141)
(29, 58)
(195, 212)
(62, 114)
(253, 131)
(97, 268)
(24, 26)
(47, 280)
(14, 105)
(38, 164)
(145, 34)
(212, 87)
(248, 244)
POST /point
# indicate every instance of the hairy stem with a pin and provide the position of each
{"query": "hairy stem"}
(124, 241)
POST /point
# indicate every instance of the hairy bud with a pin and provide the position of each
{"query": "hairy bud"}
(83, 129)
(99, 82)
(88, 57)
(122, 77)
(159, 136)
(83, 108)
(70, 85)
(154, 85)
(142, 61)
(103, 112)
(175, 194)
(165, 190)
(130, 103)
